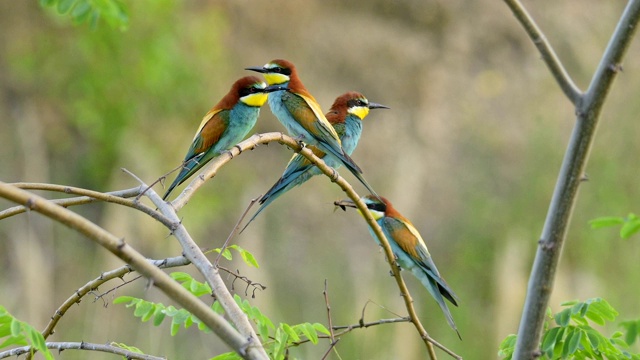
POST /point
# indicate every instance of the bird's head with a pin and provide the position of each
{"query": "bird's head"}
(353, 103)
(276, 72)
(377, 205)
(249, 90)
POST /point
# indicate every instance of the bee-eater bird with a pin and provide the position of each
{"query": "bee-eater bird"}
(301, 115)
(346, 115)
(225, 125)
(409, 249)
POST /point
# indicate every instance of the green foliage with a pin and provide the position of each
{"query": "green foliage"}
(574, 338)
(146, 310)
(81, 11)
(275, 339)
(20, 333)
(248, 257)
(632, 328)
(630, 224)
(195, 287)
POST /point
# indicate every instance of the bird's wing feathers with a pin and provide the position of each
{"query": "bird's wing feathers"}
(409, 240)
(308, 113)
(403, 236)
(211, 129)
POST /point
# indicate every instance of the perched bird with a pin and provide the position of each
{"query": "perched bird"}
(409, 249)
(301, 115)
(226, 124)
(346, 115)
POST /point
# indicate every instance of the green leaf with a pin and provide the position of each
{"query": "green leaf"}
(143, 308)
(549, 341)
(633, 329)
(123, 299)
(594, 338)
(281, 338)
(174, 328)
(507, 346)
(188, 321)
(571, 343)
(217, 307)
(595, 317)
(180, 277)
(159, 316)
(127, 347)
(616, 338)
(319, 327)
(289, 330)
(562, 318)
(569, 303)
(248, 258)
(227, 356)
(81, 11)
(64, 6)
(602, 308)
(629, 228)
(606, 221)
(95, 17)
(310, 332)
(577, 308)
(16, 327)
(226, 253)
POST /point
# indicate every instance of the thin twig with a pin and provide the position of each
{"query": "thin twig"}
(249, 282)
(234, 232)
(326, 301)
(333, 342)
(565, 193)
(546, 50)
(331, 347)
(160, 180)
(60, 346)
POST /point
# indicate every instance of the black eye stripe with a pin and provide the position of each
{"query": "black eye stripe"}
(248, 91)
(279, 70)
(356, 102)
(377, 207)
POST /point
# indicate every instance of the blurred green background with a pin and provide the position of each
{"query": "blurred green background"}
(469, 152)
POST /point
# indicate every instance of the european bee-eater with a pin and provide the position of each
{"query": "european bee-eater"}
(301, 115)
(225, 125)
(346, 115)
(409, 249)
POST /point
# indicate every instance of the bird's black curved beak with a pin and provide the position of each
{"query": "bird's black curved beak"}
(373, 105)
(273, 88)
(259, 69)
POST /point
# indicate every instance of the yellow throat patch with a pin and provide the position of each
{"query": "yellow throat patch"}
(257, 99)
(275, 78)
(359, 111)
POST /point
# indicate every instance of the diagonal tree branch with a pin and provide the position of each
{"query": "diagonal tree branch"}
(243, 346)
(565, 193)
(211, 274)
(548, 54)
(88, 196)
